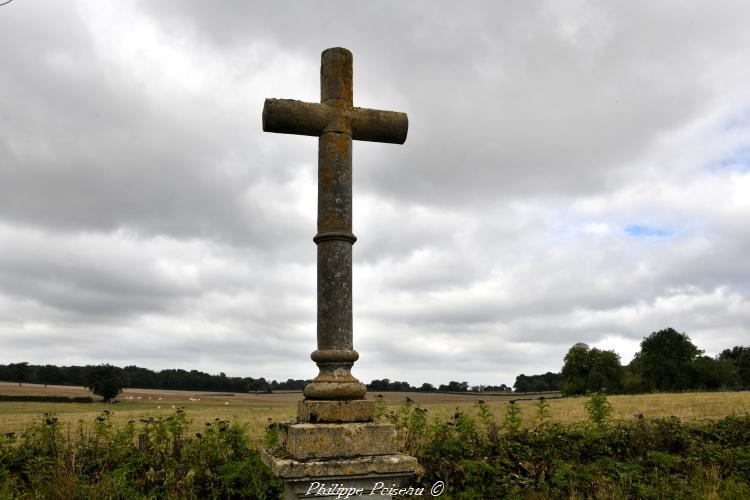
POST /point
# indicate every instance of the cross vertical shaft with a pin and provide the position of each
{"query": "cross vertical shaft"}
(336, 123)
(335, 355)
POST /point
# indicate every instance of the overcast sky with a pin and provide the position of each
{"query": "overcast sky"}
(574, 172)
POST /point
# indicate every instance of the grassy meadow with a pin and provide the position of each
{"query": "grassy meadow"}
(181, 444)
(257, 410)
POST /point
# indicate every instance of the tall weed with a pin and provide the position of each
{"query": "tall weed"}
(154, 458)
(469, 452)
(599, 409)
(642, 458)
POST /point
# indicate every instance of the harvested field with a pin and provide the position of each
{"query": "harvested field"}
(257, 410)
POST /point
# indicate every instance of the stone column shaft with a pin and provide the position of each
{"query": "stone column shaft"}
(336, 122)
(335, 355)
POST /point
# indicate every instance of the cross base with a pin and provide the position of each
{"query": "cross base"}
(335, 380)
(336, 444)
(335, 390)
(335, 412)
(327, 479)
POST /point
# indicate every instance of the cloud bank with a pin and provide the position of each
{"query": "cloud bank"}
(573, 173)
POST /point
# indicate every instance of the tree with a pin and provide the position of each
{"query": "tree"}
(535, 383)
(666, 359)
(454, 386)
(575, 370)
(712, 374)
(632, 380)
(105, 380)
(740, 357)
(494, 388)
(606, 372)
(47, 374)
(259, 385)
(20, 372)
(591, 370)
(142, 378)
(379, 385)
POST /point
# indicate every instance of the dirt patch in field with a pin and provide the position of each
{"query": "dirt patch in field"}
(13, 389)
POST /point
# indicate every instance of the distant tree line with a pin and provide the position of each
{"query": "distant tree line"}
(452, 386)
(143, 378)
(102, 379)
(538, 383)
(667, 361)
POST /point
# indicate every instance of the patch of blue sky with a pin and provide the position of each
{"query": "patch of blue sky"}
(740, 120)
(739, 160)
(644, 231)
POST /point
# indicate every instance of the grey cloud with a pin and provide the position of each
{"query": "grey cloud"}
(147, 223)
(85, 147)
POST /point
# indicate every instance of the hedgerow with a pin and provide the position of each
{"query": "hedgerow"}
(150, 458)
(475, 457)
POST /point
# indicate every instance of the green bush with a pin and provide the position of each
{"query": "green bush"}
(473, 455)
(152, 458)
(654, 458)
(598, 408)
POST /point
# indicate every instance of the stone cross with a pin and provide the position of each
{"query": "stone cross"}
(336, 123)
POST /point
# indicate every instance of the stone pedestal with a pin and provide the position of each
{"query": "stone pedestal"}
(336, 449)
(357, 476)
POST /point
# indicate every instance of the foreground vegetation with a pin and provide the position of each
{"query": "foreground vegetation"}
(477, 453)
(478, 457)
(254, 411)
(152, 458)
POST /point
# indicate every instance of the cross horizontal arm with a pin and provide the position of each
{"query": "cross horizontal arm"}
(379, 126)
(288, 116)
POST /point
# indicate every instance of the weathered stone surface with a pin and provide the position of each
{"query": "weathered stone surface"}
(289, 116)
(288, 468)
(374, 476)
(337, 123)
(335, 440)
(304, 441)
(334, 390)
(375, 125)
(358, 410)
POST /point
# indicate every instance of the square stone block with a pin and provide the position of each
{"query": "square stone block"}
(374, 476)
(311, 411)
(304, 441)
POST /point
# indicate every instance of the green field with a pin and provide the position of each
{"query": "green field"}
(146, 447)
(257, 410)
